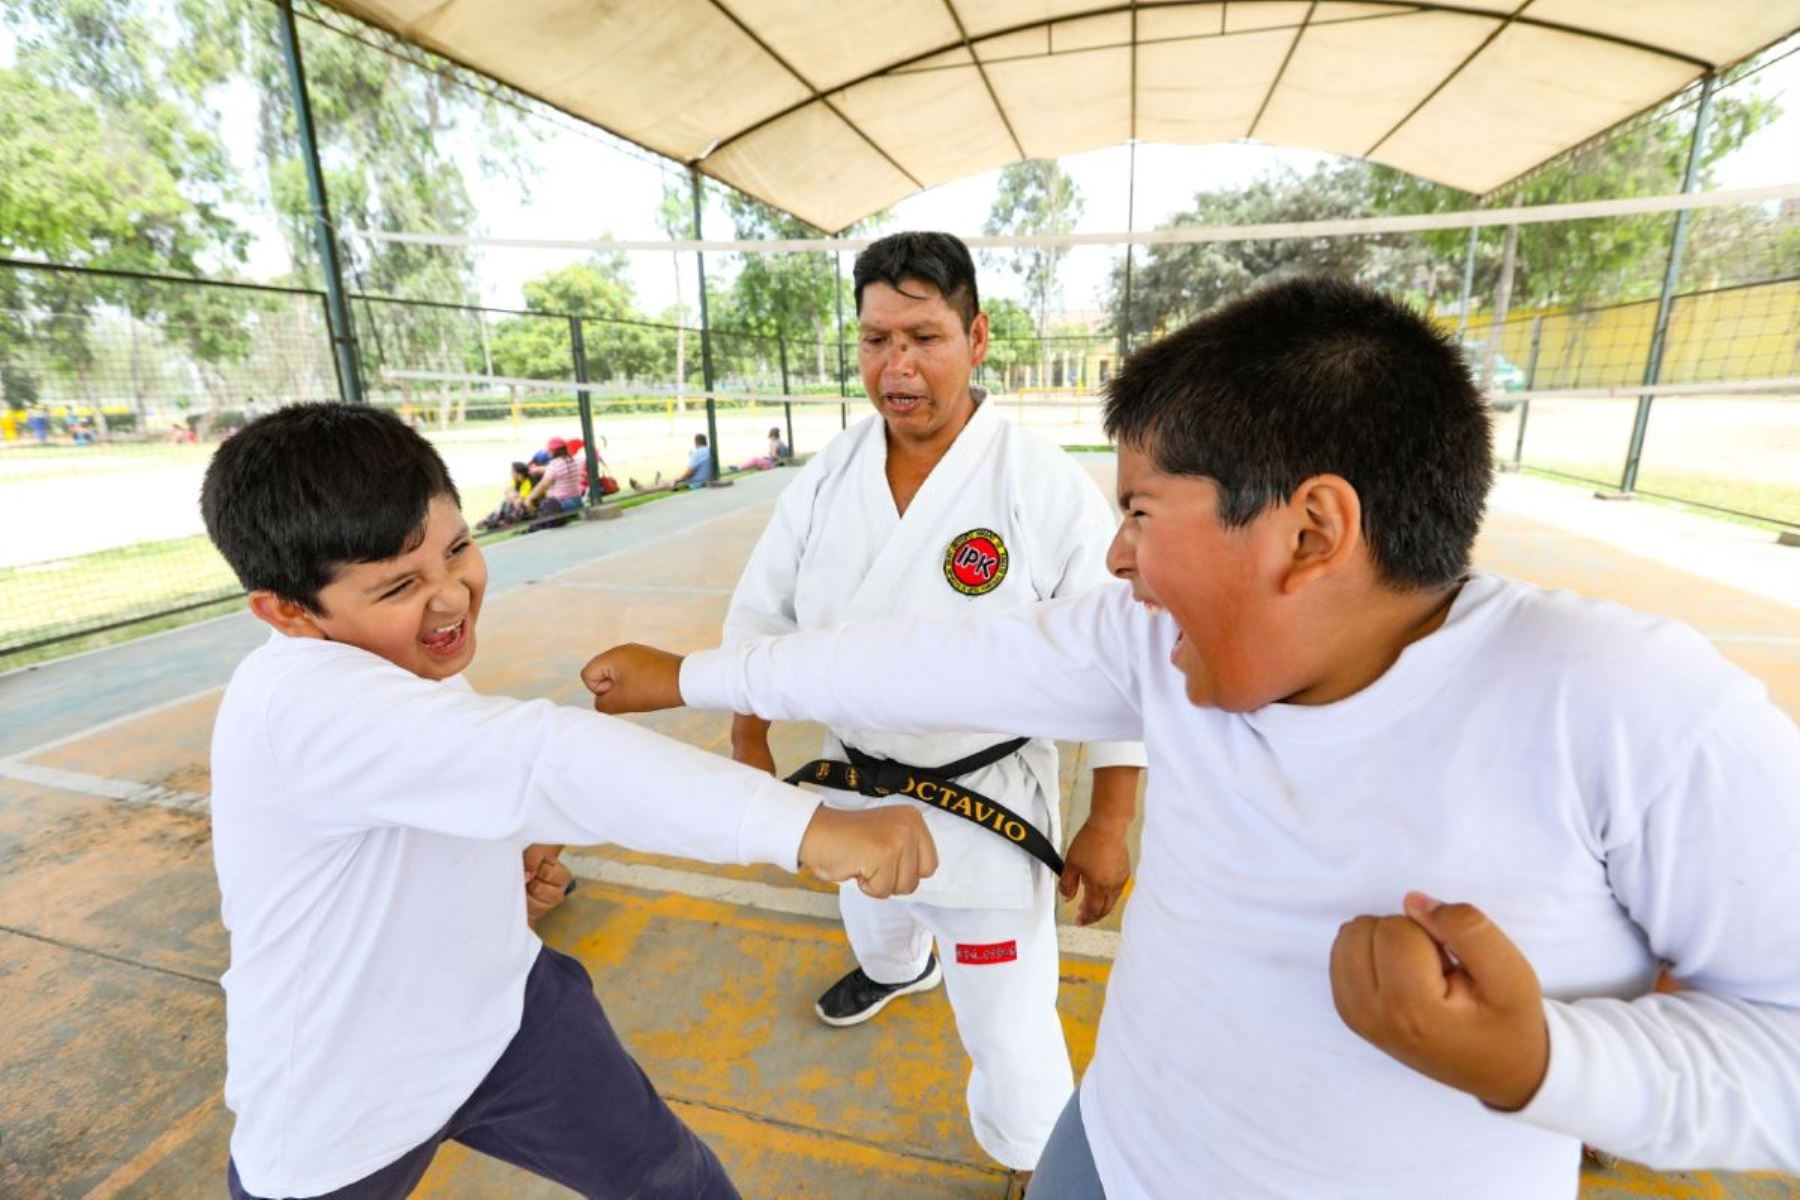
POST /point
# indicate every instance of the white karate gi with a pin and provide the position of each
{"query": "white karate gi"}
(838, 550)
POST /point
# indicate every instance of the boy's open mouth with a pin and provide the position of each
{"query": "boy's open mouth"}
(901, 402)
(446, 640)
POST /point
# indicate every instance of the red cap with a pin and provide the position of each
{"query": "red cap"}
(556, 444)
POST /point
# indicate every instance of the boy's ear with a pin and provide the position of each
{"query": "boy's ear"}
(1326, 530)
(285, 616)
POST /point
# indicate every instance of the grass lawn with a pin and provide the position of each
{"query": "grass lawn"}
(1758, 502)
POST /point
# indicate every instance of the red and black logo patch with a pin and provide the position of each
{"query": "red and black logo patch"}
(975, 562)
(982, 954)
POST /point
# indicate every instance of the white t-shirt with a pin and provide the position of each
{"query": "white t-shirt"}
(367, 832)
(1603, 784)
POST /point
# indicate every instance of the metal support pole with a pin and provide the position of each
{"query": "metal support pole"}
(1468, 288)
(706, 355)
(343, 334)
(1502, 306)
(1531, 365)
(1130, 226)
(1659, 339)
(787, 405)
(837, 292)
(584, 402)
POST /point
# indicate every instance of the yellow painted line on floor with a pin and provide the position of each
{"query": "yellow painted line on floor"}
(166, 1143)
(761, 897)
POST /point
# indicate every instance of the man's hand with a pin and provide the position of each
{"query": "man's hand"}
(633, 679)
(1445, 992)
(1097, 855)
(750, 743)
(887, 850)
(1097, 859)
(547, 880)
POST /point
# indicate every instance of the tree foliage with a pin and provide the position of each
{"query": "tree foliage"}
(1036, 198)
(1568, 263)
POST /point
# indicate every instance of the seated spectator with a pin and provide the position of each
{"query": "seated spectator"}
(513, 507)
(558, 490)
(777, 455)
(699, 471)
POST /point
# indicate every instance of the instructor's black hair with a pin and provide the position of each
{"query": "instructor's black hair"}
(935, 258)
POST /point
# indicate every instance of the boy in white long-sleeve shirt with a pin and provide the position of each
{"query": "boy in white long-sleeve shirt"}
(385, 993)
(1342, 720)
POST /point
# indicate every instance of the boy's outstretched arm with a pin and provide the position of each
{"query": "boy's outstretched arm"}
(1066, 669)
(365, 744)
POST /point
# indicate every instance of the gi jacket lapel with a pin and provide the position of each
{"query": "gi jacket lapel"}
(918, 537)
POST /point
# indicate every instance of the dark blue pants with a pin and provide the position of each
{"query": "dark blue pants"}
(567, 1102)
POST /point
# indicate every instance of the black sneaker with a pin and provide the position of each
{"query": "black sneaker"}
(855, 998)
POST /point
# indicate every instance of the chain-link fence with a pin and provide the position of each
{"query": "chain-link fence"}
(1721, 427)
(117, 386)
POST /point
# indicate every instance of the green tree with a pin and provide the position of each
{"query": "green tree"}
(1173, 283)
(107, 159)
(675, 217)
(1036, 198)
(1577, 262)
(388, 135)
(619, 346)
(790, 296)
(1012, 339)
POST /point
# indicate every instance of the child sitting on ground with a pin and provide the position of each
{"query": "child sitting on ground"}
(369, 809)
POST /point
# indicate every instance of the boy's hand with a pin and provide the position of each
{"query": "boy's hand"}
(887, 850)
(547, 880)
(634, 679)
(1445, 992)
(1097, 858)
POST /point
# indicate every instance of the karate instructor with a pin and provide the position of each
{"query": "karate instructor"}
(933, 506)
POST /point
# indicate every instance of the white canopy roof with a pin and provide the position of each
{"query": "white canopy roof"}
(833, 109)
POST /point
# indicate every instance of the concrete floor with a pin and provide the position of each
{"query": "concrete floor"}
(110, 946)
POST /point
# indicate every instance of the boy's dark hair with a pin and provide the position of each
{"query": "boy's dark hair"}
(699, 439)
(1319, 376)
(520, 468)
(775, 431)
(935, 258)
(295, 495)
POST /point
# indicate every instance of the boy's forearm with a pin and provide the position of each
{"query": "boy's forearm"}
(748, 732)
(1113, 803)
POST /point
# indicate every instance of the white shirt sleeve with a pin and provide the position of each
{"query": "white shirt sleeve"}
(358, 742)
(762, 604)
(1094, 526)
(1064, 669)
(1707, 1077)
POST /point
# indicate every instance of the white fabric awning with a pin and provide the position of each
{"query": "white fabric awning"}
(835, 110)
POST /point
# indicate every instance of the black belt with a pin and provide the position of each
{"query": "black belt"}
(871, 776)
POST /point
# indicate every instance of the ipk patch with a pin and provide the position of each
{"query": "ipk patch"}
(975, 562)
(977, 954)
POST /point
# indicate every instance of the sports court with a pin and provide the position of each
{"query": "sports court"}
(112, 948)
(1636, 341)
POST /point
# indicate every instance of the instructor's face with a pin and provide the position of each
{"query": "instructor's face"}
(916, 359)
